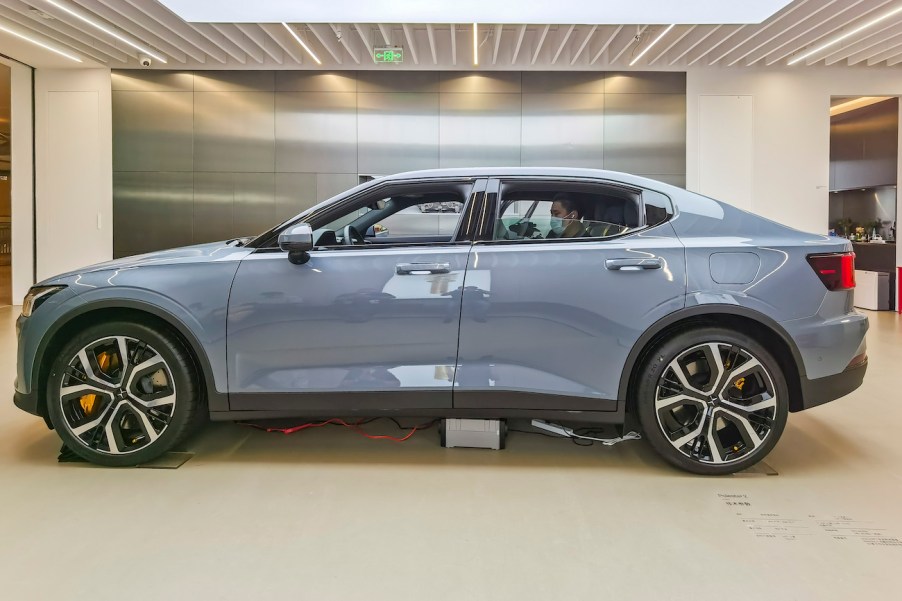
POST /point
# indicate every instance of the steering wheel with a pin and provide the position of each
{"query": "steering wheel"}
(351, 236)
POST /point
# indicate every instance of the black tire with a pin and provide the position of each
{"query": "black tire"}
(694, 349)
(179, 380)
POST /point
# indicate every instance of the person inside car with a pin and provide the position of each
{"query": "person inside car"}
(566, 216)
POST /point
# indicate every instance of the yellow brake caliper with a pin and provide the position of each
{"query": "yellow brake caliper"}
(738, 384)
(88, 402)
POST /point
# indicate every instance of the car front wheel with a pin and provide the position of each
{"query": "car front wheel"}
(712, 401)
(122, 393)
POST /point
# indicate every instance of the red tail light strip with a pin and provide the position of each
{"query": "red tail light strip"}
(836, 270)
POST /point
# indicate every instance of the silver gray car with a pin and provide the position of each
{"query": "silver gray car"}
(564, 294)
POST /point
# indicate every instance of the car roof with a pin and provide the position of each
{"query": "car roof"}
(468, 172)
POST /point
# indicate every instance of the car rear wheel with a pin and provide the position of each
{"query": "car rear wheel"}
(122, 393)
(712, 401)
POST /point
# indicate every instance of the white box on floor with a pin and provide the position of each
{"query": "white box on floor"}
(473, 433)
(871, 290)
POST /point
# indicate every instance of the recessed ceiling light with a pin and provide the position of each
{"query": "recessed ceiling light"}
(97, 25)
(27, 38)
(856, 103)
(567, 12)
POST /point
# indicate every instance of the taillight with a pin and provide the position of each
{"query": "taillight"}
(836, 270)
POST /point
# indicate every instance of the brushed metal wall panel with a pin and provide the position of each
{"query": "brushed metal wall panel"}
(563, 82)
(153, 131)
(313, 81)
(645, 133)
(399, 81)
(250, 157)
(234, 131)
(316, 132)
(234, 81)
(294, 193)
(479, 130)
(645, 82)
(214, 197)
(254, 203)
(228, 205)
(502, 82)
(564, 130)
(330, 184)
(151, 210)
(152, 81)
(397, 132)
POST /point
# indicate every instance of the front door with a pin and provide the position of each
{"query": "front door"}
(369, 322)
(557, 295)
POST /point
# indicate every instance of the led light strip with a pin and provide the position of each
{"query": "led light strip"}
(475, 45)
(647, 48)
(856, 103)
(107, 30)
(838, 39)
(301, 42)
(41, 44)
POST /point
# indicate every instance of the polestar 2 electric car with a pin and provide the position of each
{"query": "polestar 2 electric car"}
(571, 295)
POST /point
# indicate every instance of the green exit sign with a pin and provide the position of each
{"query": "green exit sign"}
(388, 55)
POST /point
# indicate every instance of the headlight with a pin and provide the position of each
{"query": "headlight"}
(36, 296)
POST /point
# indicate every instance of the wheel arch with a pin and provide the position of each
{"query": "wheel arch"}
(747, 321)
(129, 310)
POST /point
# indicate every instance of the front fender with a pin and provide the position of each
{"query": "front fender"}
(192, 300)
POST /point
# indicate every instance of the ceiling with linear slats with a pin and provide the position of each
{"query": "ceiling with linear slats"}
(793, 34)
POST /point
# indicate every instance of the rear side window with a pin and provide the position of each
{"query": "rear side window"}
(555, 210)
(658, 207)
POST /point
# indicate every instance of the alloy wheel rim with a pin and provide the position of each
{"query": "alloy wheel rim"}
(117, 395)
(716, 403)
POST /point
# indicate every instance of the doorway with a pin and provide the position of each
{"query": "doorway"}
(864, 151)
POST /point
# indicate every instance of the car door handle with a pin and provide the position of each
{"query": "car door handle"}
(418, 268)
(633, 264)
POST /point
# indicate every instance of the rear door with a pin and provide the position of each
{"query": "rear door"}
(547, 322)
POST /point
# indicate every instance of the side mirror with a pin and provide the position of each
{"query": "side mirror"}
(297, 241)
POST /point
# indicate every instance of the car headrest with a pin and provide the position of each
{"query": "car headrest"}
(622, 213)
(328, 238)
(614, 214)
(630, 214)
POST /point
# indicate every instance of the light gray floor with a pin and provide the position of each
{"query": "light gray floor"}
(326, 514)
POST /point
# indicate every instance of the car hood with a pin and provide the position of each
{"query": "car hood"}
(199, 253)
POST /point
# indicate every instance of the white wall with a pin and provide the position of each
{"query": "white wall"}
(74, 169)
(21, 179)
(790, 148)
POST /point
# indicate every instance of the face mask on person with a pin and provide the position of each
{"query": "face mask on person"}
(557, 223)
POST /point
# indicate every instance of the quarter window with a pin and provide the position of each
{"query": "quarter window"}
(658, 207)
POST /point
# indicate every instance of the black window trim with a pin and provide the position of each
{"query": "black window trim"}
(493, 192)
(464, 233)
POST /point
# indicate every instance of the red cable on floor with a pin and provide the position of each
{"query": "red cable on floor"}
(339, 422)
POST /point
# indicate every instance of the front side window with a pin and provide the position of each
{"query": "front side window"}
(561, 211)
(418, 213)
